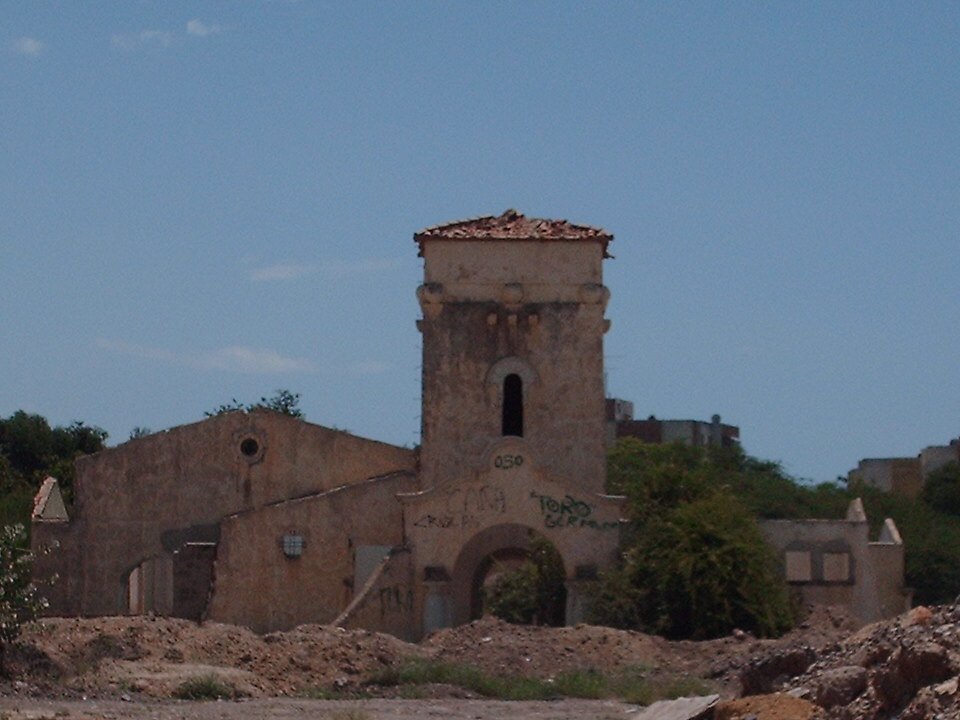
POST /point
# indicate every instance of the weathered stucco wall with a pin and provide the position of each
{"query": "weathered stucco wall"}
(257, 585)
(453, 527)
(151, 496)
(832, 562)
(536, 308)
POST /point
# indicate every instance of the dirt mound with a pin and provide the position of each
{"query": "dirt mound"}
(500, 648)
(155, 655)
(768, 707)
(112, 657)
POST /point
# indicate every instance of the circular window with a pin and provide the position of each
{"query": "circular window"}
(249, 447)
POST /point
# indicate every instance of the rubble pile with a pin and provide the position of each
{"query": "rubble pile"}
(69, 657)
(908, 668)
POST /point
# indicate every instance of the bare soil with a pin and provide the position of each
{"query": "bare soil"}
(132, 667)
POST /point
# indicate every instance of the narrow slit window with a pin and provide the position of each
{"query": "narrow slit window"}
(513, 405)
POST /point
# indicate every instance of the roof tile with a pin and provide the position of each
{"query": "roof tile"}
(512, 225)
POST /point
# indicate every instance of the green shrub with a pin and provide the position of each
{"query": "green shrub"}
(942, 489)
(20, 601)
(535, 592)
(695, 564)
(205, 687)
(698, 571)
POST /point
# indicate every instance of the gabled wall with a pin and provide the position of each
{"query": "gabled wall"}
(833, 562)
(146, 499)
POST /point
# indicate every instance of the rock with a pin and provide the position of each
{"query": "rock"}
(762, 675)
(909, 669)
(839, 686)
(920, 615)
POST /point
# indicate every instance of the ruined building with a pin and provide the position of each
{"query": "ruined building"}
(268, 521)
(904, 475)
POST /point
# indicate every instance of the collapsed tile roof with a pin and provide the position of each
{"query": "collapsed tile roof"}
(513, 225)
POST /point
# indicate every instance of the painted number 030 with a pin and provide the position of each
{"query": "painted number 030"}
(506, 462)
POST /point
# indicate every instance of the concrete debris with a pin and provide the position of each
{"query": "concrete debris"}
(685, 708)
(907, 668)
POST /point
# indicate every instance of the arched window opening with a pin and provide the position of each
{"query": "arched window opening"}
(513, 405)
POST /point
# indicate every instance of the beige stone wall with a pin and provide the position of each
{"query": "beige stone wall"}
(843, 566)
(257, 585)
(148, 497)
(537, 306)
(452, 527)
(550, 271)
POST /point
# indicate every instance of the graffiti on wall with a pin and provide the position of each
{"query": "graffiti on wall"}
(570, 512)
(395, 599)
(466, 507)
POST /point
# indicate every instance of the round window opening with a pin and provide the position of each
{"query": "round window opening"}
(249, 447)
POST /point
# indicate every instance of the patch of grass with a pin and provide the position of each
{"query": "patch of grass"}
(641, 691)
(630, 684)
(419, 672)
(206, 687)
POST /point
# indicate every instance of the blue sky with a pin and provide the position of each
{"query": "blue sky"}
(206, 201)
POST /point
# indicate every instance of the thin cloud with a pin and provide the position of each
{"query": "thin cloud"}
(282, 271)
(199, 28)
(145, 38)
(234, 358)
(238, 358)
(27, 46)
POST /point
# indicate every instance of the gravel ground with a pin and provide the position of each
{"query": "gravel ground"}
(288, 709)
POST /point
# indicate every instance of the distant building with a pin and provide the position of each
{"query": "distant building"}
(833, 562)
(620, 423)
(904, 475)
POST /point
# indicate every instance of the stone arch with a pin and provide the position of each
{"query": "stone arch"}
(511, 365)
(487, 543)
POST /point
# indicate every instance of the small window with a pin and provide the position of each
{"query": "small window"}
(836, 567)
(292, 545)
(512, 406)
(249, 447)
(799, 567)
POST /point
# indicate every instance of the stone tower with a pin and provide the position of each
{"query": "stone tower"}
(513, 410)
(513, 324)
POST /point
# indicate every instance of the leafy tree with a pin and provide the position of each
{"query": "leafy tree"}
(30, 450)
(534, 593)
(283, 402)
(695, 563)
(942, 489)
(139, 432)
(702, 569)
(20, 602)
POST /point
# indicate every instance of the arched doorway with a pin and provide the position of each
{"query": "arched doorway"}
(485, 556)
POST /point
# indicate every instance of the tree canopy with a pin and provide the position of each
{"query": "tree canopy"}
(30, 450)
(282, 401)
(694, 563)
